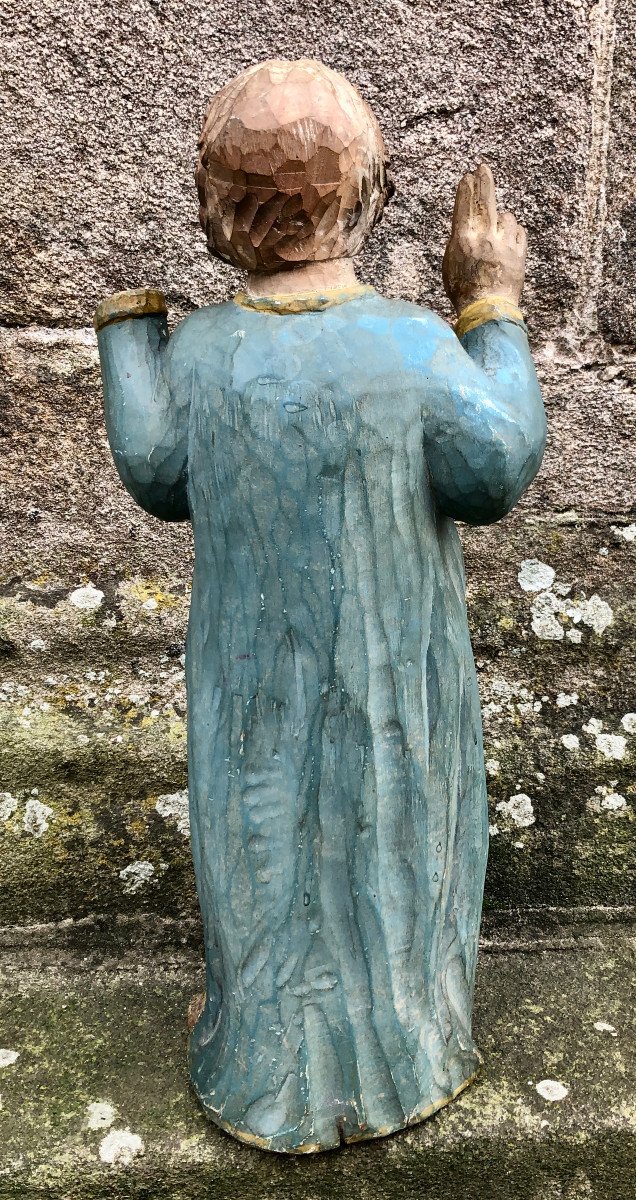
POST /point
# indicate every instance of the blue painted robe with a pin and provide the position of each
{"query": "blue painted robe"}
(337, 788)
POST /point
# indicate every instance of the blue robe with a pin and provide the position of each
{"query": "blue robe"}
(337, 789)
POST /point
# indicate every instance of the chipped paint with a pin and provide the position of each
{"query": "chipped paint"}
(120, 1147)
(551, 1089)
(136, 875)
(535, 576)
(36, 817)
(175, 806)
(518, 809)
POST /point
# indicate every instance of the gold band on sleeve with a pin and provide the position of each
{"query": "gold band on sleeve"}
(142, 302)
(489, 308)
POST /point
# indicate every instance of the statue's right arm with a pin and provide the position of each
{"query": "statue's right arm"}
(147, 423)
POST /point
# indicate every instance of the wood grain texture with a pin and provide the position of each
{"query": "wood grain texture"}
(337, 790)
(291, 167)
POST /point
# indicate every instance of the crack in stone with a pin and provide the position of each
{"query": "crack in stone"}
(602, 25)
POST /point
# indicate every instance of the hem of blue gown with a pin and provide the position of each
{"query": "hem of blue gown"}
(339, 1139)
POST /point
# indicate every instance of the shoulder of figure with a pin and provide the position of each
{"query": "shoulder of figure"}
(199, 332)
(417, 332)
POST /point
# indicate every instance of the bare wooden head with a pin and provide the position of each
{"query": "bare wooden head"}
(291, 169)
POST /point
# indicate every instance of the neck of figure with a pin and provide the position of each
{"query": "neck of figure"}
(308, 277)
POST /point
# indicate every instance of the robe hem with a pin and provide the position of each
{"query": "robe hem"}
(364, 1135)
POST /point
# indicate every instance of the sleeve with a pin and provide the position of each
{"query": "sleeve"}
(147, 424)
(484, 421)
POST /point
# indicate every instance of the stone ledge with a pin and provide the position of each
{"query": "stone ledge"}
(110, 1030)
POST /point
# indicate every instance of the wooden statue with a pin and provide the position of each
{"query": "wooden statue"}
(323, 440)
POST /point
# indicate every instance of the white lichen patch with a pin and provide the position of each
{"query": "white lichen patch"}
(626, 532)
(8, 1057)
(100, 1115)
(629, 722)
(493, 830)
(551, 609)
(535, 576)
(36, 817)
(8, 805)
(593, 726)
(566, 699)
(509, 699)
(37, 644)
(611, 745)
(175, 806)
(136, 875)
(551, 1089)
(120, 1147)
(87, 598)
(493, 766)
(596, 613)
(575, 636)
(517, 809)
(606, 800)
(570, 741)
(605, 1027)
(544, 621)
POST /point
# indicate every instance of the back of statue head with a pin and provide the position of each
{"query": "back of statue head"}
(292, 167)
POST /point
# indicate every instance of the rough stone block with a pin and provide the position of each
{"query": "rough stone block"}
(617, 300)
(96, 1100)
(104, 106)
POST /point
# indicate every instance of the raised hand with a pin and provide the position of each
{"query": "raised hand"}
(486, 252)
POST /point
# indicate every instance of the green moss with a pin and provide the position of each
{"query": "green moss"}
(115, 1032)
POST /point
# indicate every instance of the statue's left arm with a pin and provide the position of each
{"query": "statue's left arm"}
(484, 428)
(147, 423)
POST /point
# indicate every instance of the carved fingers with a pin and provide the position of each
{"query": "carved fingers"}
(486, 251)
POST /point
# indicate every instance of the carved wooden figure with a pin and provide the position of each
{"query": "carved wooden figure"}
(323, 440)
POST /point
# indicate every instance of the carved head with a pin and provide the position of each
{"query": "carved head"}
(292, 167)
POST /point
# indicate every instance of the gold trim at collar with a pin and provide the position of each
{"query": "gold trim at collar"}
(489, 308)
(301, 302)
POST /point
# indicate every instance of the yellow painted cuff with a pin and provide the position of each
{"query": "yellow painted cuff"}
(489, 308)
(142, 302)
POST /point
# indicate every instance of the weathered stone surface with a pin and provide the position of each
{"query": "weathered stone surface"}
(63, 509)
(617, 300)
(104, 106)
(94, 706)
(98, 193)
(100, 1044)
(103, 671)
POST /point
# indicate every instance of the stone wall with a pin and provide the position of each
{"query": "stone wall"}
(101, 110)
